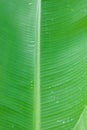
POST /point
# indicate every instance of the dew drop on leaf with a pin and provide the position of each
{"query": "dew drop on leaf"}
(12, 126)
(30, 3)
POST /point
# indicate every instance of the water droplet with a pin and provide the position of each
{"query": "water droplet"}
(12, 126)
(63, 122)
(30, 3)
(32, 41)
(81, 99)
(84, 58)
(47, 33)
(72, 10)
(59, 121)
(52, 19)
(80, 89)
(57, 101)
(68, 5)
(71, 119)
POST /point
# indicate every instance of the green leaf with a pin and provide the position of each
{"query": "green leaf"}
(43, 64)
(82, 122)
(17, 41)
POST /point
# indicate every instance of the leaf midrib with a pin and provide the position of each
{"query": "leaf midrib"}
(36, 114)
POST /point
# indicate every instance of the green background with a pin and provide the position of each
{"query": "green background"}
(63, 63)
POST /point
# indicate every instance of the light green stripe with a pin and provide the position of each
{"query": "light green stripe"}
(37, 70)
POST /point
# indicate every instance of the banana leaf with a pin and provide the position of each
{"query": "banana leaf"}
(43, 64)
